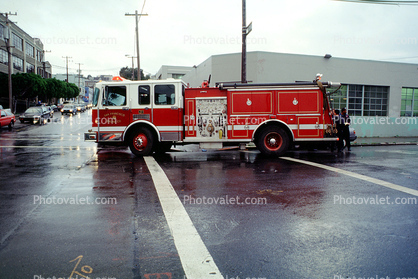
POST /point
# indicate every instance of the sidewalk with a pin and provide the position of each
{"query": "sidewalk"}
(385, 141)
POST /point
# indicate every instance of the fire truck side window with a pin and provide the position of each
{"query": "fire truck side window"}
(115, 96)
(144, 95)
(165, 94)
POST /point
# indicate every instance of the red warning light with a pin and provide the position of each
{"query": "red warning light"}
(118, 78)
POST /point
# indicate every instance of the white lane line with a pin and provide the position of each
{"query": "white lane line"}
(194, 256)
(46, 147)
(358, 176)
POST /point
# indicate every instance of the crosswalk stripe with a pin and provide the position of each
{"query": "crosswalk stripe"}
(194, 256)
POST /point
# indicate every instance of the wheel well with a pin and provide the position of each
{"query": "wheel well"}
(277, 124)
(132, 128)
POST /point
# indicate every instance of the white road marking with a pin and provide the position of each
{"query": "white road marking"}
(194, 256)
(358, 176)
(47, 147)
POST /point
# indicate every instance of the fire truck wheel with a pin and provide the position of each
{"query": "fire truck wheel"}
(141, 142)
(273, 141)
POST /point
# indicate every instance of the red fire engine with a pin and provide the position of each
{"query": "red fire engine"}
(152, 115)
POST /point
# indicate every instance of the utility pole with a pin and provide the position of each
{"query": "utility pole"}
(66, 59)
(9, 58)
(245, 31)
(137, 16)
(79, 76)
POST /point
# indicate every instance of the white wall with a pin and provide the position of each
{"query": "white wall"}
(265, 67)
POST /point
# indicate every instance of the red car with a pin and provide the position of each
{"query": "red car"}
(7, 118)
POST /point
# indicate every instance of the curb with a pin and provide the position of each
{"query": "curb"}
(383, 143)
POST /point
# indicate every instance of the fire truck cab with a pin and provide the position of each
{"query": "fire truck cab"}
(152, 115)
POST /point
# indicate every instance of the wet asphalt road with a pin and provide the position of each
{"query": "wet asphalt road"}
(67, 211)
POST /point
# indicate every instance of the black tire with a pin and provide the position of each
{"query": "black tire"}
(11, 125)
(273, 141)
(141, 142)
(163, 147)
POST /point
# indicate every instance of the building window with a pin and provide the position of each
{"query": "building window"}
(409, 102)
(338, 99)
(2, 30)
(30, 50)
(355, 103)
(17, 42)
(375, 100)
(39, 55)
(362, 100)
(17, 63)
(177, 76)
(3, 57)
(30, 68)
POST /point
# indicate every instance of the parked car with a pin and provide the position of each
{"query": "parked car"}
(353, 135)
(35, 115)
(81, 107)
(7, 118)
(69, 109)
(50, 111)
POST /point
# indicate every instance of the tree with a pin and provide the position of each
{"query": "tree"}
(4, 87)
(126, 72)
(54, 88)
(28, 86)
(72, 90)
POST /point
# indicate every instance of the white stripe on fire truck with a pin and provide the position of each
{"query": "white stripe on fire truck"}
(160, 128)
(235, 127)
(194, 256)
(293, 127)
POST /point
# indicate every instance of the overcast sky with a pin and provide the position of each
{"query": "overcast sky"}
(97, 33)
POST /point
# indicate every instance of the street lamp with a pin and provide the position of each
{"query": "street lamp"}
(133, 70)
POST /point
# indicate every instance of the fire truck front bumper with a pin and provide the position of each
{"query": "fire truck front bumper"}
(103, 137)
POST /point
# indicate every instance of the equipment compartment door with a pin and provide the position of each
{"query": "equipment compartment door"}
(211, 115)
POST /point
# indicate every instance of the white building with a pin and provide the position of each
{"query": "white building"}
(381, 97)
(176, 72)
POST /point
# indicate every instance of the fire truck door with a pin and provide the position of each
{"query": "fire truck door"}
(115, 112)
(142, 107)
(166, 111)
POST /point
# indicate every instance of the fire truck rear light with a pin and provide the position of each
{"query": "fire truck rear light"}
(272, 117)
